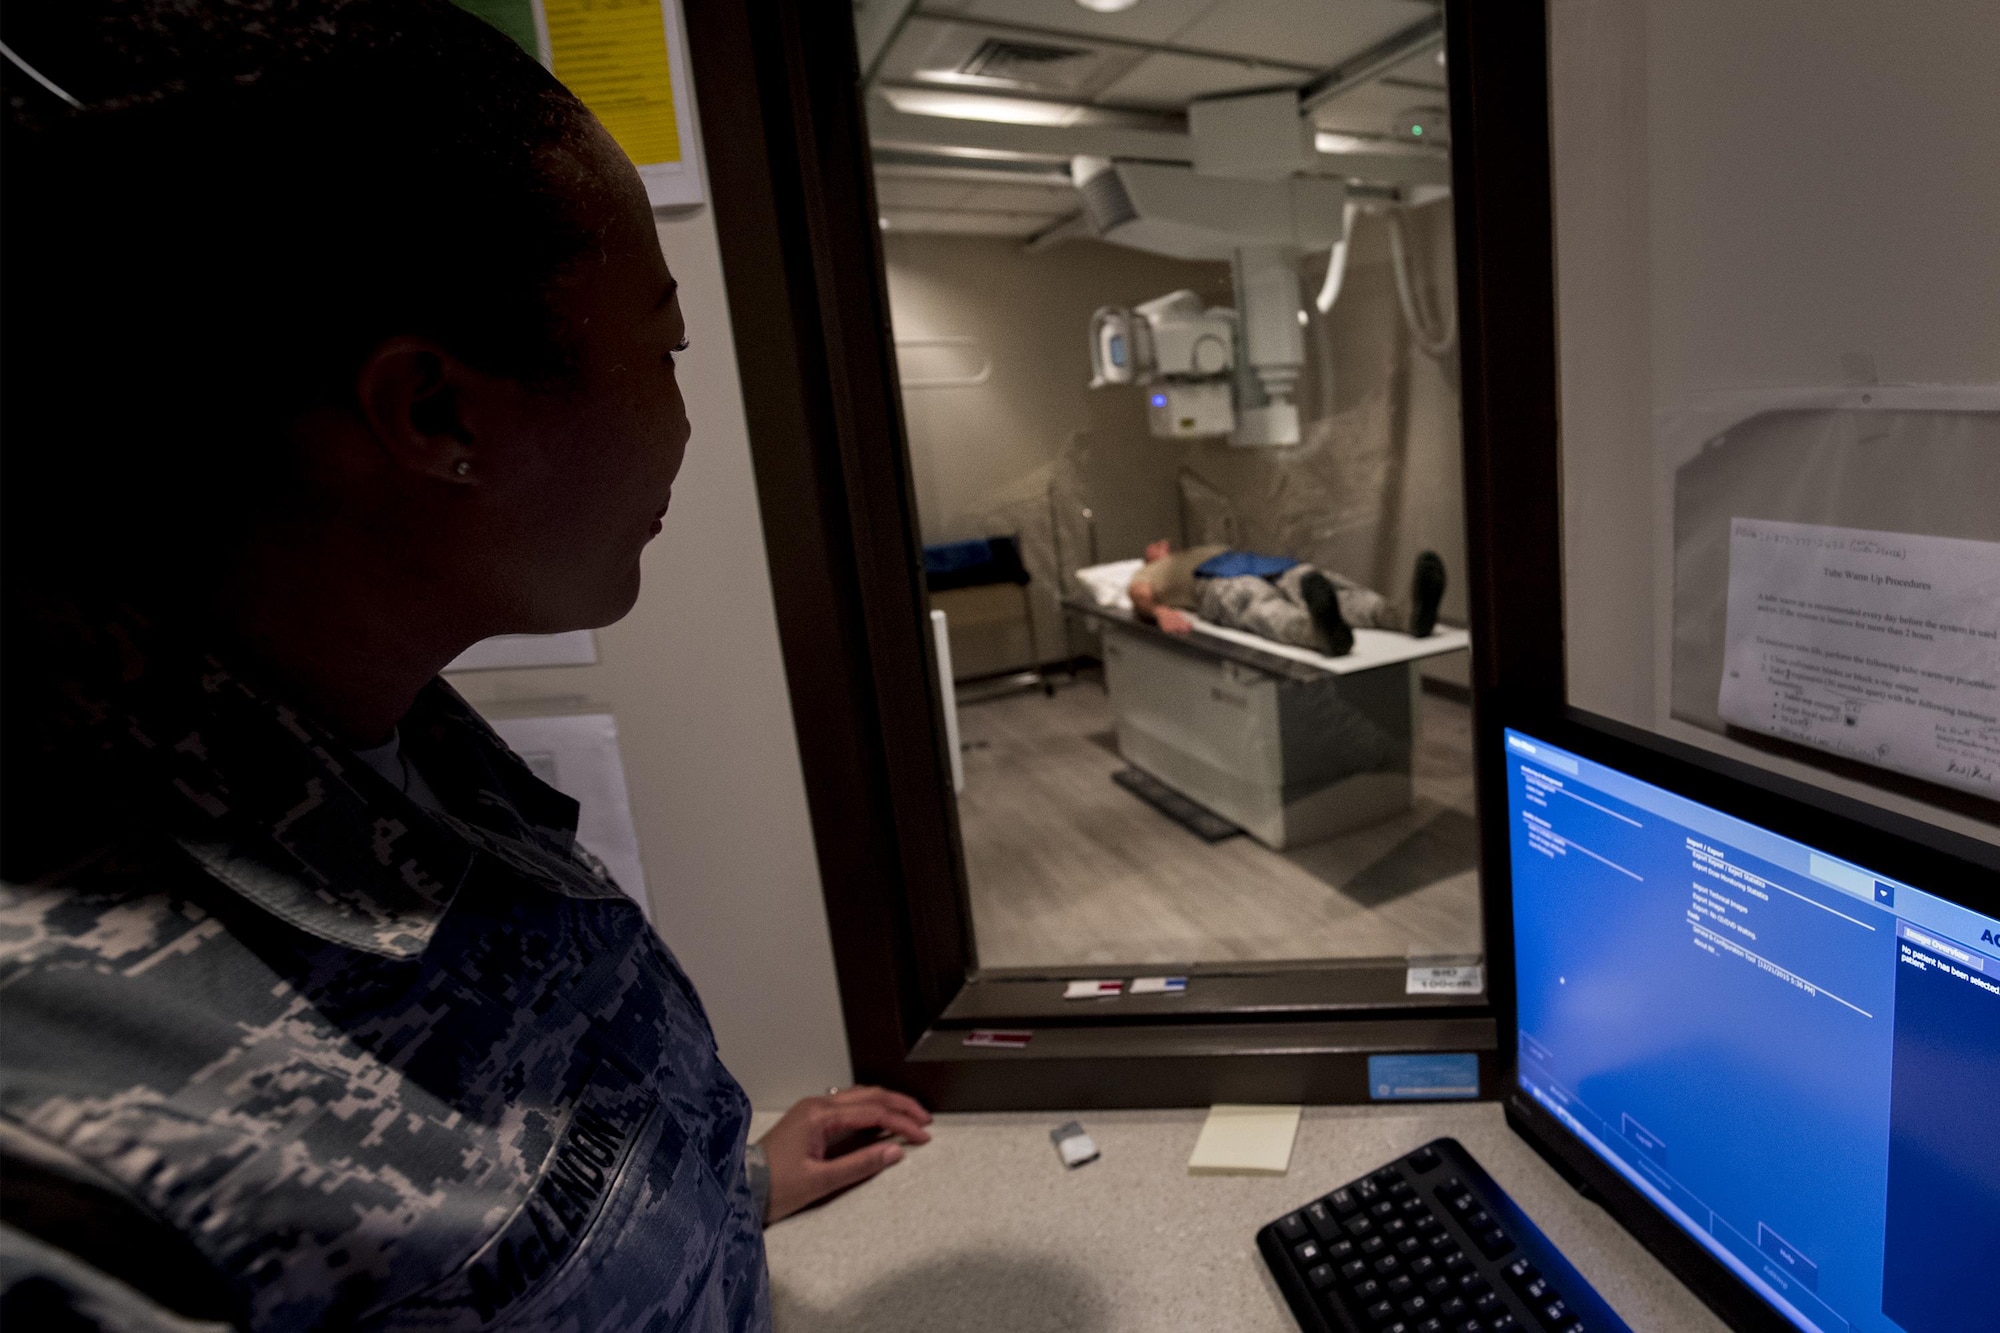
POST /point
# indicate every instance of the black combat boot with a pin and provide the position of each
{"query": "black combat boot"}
(1426, 591)
(1324, 603)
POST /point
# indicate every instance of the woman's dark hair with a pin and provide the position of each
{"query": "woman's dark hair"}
(213, 209)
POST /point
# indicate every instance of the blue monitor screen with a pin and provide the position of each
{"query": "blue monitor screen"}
(1795, 1059)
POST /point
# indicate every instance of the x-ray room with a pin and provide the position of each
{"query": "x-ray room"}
(1173, 303)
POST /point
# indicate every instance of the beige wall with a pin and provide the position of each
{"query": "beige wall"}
(694, 679)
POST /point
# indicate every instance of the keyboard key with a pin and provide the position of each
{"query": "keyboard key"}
(1320, 1275)
(1353, 1269)
(1366, 1191)
(1431, 1326)
(1408, 1245)
(1472, 1326)
(1486, 1302)
(1478, 1218)
(1538, 1290)
(1438, 1286)
(1425, 1159)
(1425, 1224)
(1402, 1189)
(1504, 1322)
(1388, 1264)
(1322, 1221)
(1454, 1307)
(1417, 1306)
(1442, 1244)
(1374, 1245)
(1422, 1266)
(1360, 1226)
(1555, 1314)
(1395, 1226)
(1493, 1242)
(1307, 1254)
(1455, 1262)
(1367, 1292)
(1381, 1312)
(1400, 1286)
(1340, 1251)
(1292, 1228)
(1520, 1272)
(1343, 1201)
(1386, 1177)
(1415, 1207)
(1472, 1284)
(1384, 1209)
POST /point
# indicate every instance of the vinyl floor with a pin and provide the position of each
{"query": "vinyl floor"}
(1067, 867)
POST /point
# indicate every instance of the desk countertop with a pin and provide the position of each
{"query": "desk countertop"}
(983, 1231)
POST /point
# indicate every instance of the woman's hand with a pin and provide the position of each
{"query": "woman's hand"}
(796, 1147)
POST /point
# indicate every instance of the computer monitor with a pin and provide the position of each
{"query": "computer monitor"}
(1777, 1062)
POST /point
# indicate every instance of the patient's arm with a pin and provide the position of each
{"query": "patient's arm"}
(1147, 607)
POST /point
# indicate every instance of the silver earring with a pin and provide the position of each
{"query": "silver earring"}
(461, 467)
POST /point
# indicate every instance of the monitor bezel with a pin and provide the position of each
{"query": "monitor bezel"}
(1893, 845)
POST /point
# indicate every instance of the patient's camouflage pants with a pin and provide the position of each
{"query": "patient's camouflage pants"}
(1275, 609)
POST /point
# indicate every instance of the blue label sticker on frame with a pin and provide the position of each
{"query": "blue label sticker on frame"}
(1422, 1078)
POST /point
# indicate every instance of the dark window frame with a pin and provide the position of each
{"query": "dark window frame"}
(779, 91)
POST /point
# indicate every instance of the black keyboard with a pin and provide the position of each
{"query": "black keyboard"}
(1428, 1244)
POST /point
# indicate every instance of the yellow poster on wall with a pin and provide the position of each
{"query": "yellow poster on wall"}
(623, 58)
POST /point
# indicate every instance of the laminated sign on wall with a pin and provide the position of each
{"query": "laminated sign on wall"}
(1879, 646)
(623, 59)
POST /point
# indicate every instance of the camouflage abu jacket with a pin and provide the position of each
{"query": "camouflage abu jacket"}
(281, 1050)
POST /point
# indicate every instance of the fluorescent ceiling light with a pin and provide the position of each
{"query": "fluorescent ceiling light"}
(972, 106)
(1107, 6)
(968, 80)
(1329, 142)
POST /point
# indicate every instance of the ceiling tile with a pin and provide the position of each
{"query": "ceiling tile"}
(1146, 21)
(1171, 82)
(1314, 32)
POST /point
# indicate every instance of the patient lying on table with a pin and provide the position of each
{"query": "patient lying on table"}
(1282, 599)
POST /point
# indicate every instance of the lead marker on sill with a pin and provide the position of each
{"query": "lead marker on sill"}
(1073, 1145)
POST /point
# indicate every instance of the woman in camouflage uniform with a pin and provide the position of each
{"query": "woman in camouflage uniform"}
(338, 338)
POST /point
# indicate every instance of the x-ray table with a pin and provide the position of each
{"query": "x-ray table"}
(1291, 745)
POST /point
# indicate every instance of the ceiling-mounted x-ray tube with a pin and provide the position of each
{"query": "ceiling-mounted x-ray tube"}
(1268, 311)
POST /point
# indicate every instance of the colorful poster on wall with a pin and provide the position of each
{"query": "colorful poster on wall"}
(624, 59)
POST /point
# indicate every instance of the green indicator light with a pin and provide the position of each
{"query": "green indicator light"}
(1417, 131)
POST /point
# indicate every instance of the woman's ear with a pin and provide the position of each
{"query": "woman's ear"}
(415, 397)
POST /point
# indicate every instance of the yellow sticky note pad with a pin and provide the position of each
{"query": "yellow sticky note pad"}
(1245, 1141)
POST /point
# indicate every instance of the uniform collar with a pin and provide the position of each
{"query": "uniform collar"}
(277, 808)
